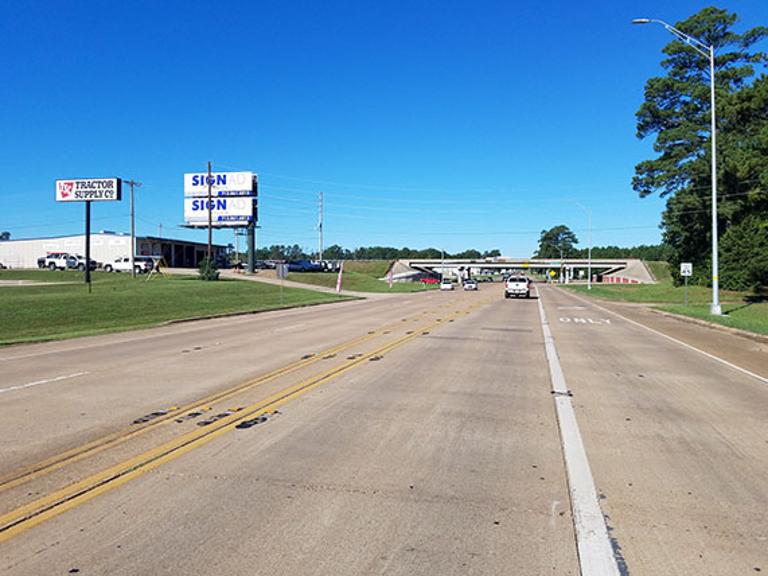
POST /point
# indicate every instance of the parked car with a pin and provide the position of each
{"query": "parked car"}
(470, 284)
(140, 264)
(517, 286)
(446, 284)
(257, 265)
(304, 266)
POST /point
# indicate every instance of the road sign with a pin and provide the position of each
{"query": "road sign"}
(686, 269)
(88, 189)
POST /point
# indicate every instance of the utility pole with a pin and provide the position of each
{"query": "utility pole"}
(210, 216)
(320, 229)
(160, 230)
(133, 184)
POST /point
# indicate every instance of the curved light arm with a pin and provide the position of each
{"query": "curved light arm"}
(697, 45)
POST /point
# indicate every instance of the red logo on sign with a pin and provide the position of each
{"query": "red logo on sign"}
(65, 189)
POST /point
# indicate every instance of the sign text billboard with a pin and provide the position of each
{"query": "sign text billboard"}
(224, 211)
(222, 184)
(94, 189)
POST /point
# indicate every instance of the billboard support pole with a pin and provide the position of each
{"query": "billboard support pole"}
(210, 217)
(88, 244)
(251, 246)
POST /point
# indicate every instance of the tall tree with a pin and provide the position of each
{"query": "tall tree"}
(676, 107)
(677, 111)
(557, 242)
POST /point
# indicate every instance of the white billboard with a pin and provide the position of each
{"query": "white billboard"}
(224, 211)
(222, 184)
(94, 189)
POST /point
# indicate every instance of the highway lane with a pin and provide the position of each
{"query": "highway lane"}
(87, 387)
(677, 442)
(442, 457)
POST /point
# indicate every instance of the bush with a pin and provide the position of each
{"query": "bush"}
(208, 270)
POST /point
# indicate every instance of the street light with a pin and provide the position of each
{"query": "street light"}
(707, 52)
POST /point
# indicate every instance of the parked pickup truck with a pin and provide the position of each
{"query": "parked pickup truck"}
(517, 286)
(54, 261)
(140, 264)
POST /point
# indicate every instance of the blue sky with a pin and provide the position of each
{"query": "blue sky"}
(446, 124)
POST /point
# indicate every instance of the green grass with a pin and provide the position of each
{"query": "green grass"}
(662, 293)
(360, 276)
(356, 281)
(746, 316)
(118, 302)
(739, 308)
(41, 275)
(660, 270)
(375, 268)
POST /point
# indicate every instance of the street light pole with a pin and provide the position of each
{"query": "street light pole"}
(709, 53)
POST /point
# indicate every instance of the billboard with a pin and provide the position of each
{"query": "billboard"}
(224, 211)
(94, 189)
(222, 184)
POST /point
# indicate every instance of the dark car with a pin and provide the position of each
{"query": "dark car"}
(304, 266)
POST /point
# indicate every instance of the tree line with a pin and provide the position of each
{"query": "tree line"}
(336, 252)
(560, 242)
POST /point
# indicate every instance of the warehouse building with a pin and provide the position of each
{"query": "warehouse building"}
(108, 246)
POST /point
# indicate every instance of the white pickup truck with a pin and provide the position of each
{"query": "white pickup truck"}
(140, 264)
(517, 286)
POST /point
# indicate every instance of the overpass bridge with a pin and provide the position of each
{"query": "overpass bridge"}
(611, 269)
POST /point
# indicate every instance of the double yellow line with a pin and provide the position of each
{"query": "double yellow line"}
(23, 475)
(38, 511)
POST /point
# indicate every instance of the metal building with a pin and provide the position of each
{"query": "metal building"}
(106, 247)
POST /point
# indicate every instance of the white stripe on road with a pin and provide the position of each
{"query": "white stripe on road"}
(49, 380)
(594, 546)
(675, 340)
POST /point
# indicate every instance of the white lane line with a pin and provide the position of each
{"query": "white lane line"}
(675, 340)
(47, 381)
(594, 546)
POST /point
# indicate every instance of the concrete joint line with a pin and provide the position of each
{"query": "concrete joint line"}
(593, 544)
(675, 340)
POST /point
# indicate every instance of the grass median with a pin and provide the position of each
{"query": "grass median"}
(742, 310)
(65, 309)
(361, 276)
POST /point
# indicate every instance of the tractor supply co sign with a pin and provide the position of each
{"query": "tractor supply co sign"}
(93, 189)
(222, 184)
(223, 211)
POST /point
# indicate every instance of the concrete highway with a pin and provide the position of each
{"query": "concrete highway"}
(409, 434)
